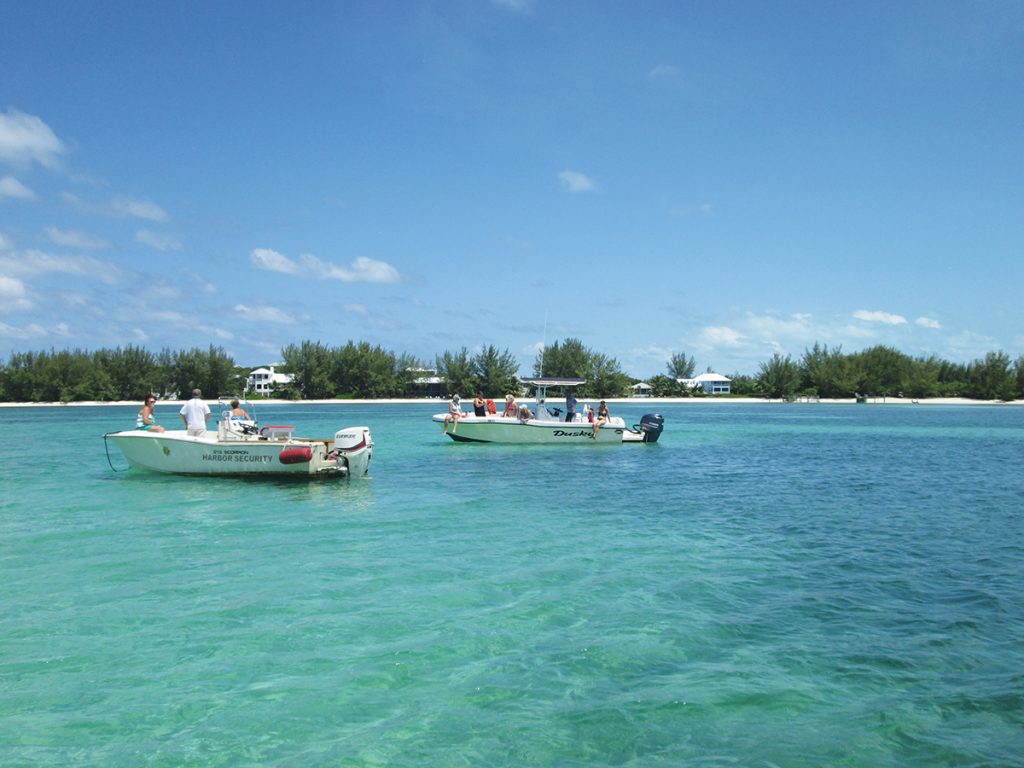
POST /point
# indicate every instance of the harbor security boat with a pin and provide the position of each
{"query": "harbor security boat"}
(240, 447)
(547, 426)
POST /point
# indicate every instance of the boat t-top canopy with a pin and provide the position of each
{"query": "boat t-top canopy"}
(554, 382)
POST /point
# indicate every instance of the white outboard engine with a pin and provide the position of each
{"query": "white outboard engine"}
(355, 446)
(650, 426)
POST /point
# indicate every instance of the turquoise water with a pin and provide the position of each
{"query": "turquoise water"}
(770, 585)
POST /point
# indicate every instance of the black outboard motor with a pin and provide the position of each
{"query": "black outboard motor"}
(651, 425)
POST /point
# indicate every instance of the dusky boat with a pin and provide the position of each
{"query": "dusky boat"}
(547, 425)
(241, 447)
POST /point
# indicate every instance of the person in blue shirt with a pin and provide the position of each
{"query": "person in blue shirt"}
(570, 407)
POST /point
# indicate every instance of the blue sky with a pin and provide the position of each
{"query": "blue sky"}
(724, 179)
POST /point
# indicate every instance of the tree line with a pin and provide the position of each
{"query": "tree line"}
(882, 371)
(362, 370)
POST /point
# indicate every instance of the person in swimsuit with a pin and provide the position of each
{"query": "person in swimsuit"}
(145, 419)
(602, 418)
(479, 405)
(511, 411)
(237, 411)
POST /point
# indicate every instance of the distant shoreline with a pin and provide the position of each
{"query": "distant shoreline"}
(440, 402)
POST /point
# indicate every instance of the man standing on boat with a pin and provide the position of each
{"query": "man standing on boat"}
(570, 407)
(195, 413)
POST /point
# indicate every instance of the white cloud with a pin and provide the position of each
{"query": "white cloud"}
(574, 181)
(356, 309)
(663, 70)
(5, 242)
(138, 209)
(264, 314)
(721, 336)
(204, 285)
(12, 332)
(156, 240)
(929, 322)
(169, 316)
(25, 139)
(118, 208)
(34, 262)
(13, 296)
(879, 317)
(14, 189)
(140, 335)
(685, 211)
(773, 326)
(265, 258)
(515, 5)
(71, 238)
(362, 270)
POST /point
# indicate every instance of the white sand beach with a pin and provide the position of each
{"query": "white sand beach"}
(638, 401)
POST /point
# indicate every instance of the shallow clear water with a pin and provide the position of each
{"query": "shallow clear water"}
(770, 585)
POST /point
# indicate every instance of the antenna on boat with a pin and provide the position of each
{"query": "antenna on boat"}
(544, 344)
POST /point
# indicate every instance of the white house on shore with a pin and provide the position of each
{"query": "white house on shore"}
(711, 383)
(640, 389)
(262, 381)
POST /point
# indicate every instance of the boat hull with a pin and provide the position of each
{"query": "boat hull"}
(495, 429)
(183, 454)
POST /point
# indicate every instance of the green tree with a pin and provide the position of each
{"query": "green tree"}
(309, 364)
(604, 377)
(496, 372)
(570, 359)
(828, 372)
(779, 377)
(667, 386)
(458, 372)
(884, 371)
(132, 371)
(567, 360)
(923, 377)
(742, 384)
(19, 377)
(991, 378)
(680, 366)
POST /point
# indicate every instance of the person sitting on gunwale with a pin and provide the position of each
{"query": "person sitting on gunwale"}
(602, 418)
(144, 419)
(454, 414)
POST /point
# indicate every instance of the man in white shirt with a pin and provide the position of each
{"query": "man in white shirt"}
(195, 414)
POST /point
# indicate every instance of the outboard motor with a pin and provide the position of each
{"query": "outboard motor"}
(651, 425)
(355, 446)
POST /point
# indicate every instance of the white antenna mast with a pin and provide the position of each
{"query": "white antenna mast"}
(544, 344)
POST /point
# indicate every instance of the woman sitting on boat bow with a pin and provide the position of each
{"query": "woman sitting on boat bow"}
(145, 419)
(454, 414)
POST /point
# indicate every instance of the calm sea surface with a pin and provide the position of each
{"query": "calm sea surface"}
(770, 585)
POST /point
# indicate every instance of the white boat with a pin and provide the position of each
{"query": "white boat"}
(244, 448)
(547, 425)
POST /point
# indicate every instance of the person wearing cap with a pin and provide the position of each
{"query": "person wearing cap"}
(454, 413)
(195, 413)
